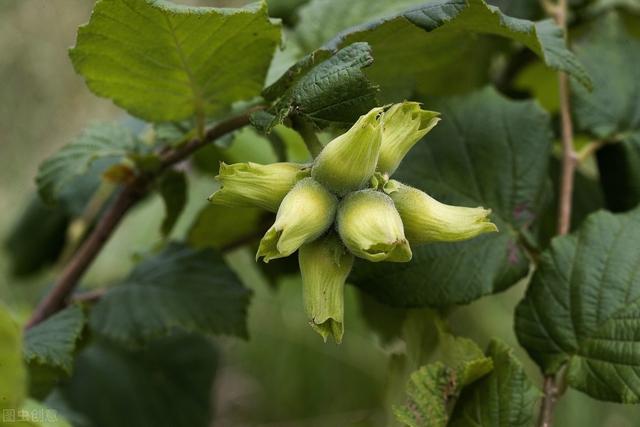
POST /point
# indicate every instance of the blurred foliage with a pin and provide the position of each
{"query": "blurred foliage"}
(284, 376)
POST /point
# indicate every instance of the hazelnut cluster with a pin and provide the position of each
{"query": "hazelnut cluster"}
(345, 205)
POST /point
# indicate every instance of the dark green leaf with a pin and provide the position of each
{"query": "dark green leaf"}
(610, 112)
(487, 151)
(102, 141)
(165, 62)
(505, 397)
(37, 238)
(168, 384)
(50, 348)
(323, 89)
(173, 189)
(179, 288)
(581, 308)
(438, 47)
(53, 342)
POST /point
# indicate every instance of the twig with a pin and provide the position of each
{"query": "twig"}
(548, 402)
(591, 148)
(88, 296)
(132, 192)
(569, 157)
(569, 160)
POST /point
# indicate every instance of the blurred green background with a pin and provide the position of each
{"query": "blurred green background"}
(284, 375)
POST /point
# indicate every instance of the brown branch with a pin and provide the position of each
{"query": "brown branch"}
(569, 160)
(132, 192)
(88, 297)
(549, 400)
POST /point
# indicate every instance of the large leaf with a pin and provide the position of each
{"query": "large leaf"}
(167, 384)
(165, 62)
(53, 342)
(323, 89)
(440, 47)
(487, 151)
(179, 288)
(610, 112)
(583, 305)
(505, 397)
(102, 141)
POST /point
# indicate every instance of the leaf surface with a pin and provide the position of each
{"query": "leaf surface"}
(505, 397)
(165, 62)
(53, 342)
(433, 389)
(439, 47)
(179, 288)
(166, 384)
(582, 308)
(610, 112)
(106, 142)
(323, 89)
(487, 151)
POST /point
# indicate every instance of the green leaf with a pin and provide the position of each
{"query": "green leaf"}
(102, 141)
(13, 375)
(179, 288)
(610, 112)
(165, 62)
(457, 164)
(166, 384)
(321, 20)
(429, 391)
(505, 397)
(37, 237)
(173, 190)
(433, 389)
(50, 348)
(582, 306)
(323, 89)
(423, 48)
(219, 226)
(53, 342)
